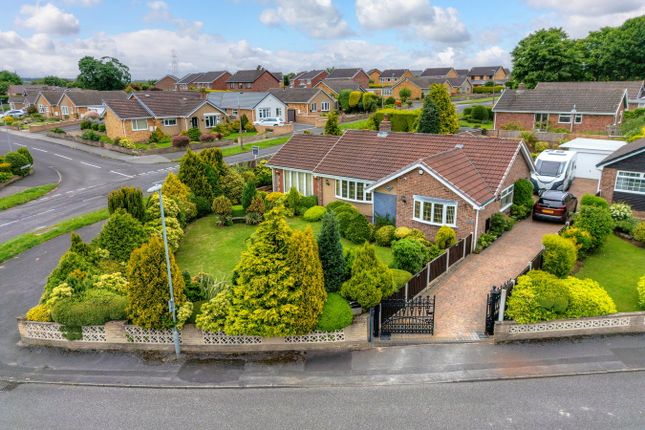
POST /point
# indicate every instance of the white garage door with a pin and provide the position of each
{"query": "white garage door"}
(586, 165)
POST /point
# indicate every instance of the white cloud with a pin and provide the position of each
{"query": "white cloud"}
(317, 18)
(490, 56)
(85, 3)
(588, 7)
(158, 11)
(416, 17)
(47, 19)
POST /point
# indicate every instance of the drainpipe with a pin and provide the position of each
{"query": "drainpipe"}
(476, 235)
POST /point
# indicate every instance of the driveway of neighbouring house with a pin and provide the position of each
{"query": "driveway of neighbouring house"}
(460, 307)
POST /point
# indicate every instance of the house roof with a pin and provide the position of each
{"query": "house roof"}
(308, 75)
(248, 76)
(234, 100)
(304, 152)
(370, 71)
(295, 95)
(189, 78)
(635, 89)
(436, 71)
(173, 77)
(474, 165)
(458, 81)
(561, 100)
(169, 103)
(343, 73)
(278, 75)
(337, 85)
(393, 73)
(462, 71)
(208, 77)
(52, 97)
(426, 81)
(602, 145)
(94, 98)
(128, 109)
(484, 70)
(23, 89)
(631, 149)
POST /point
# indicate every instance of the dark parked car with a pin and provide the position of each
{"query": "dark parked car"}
(555, 206)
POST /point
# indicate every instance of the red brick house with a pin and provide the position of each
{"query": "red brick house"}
(623, 176)
(308, 79)
(593, 110)
(210, 80)
(635, 89)
(419, 180)
(357, 75)
(167, 83)
(253, 80)
(440, 72)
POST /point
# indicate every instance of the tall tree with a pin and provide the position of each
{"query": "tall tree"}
(331, 126)
(53, 81)
(331, 252)
(429, 119)
(545, 56)
(197, 175)
(105, 73)
(8, 78)
(448, 122)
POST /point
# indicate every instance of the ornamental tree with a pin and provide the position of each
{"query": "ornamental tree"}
(405, 94)
(200, 178)
(176, 190)
(128, 198)
(331, 126)
(448, 122)
(121, 234)
(429, 119)
(248, 193)
(371, 280)
(331, 252)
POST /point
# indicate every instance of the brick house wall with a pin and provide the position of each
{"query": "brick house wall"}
(375, 76)
(362, 78)
(608, 182)
(116, 127)
(331, 93)
(304, 83)
(220, 83)
(415, 90)
(51, 112)
(166, 84)
(264, 82)
(328, 195)
(589, 123)
(72, 111)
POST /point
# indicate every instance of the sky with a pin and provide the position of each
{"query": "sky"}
(39, 38)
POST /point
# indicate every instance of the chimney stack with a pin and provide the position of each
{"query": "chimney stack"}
(385, 126)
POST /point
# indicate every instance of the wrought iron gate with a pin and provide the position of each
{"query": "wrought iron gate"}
(401, 316)
(492, 309)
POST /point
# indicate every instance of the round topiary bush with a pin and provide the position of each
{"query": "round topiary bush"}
(402, 232)
(336, 314)
(445, 237)
(591, 200)
(409, 254)
(314, 213)
(180, 141)
(559, 255)
(384, 235)
(358, 229)
(335, 205)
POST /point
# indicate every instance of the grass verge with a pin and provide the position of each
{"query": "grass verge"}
(25, 241)
(25, 196)
(488, 125)
(474, 101)
(234, 150)
(361, 124)
(617, 267)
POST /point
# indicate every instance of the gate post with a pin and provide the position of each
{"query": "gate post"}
(447, 259)
(406, 291)
(502, 305)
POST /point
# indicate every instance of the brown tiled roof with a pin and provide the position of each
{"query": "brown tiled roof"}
(127, 109)
(173, 77)
(484, 70)
(337, 85)
(52, 96)
(427, 81)
(393, 73)
(94, 98)
(303, 152)
(208, 77)
(436, 71)
(477, 169)
(635, 89)
(295, 95)
(343, 73)
(551, 100)
(170, 103)
(248, 76)
(630, 149)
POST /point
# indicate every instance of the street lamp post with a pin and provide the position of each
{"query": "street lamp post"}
(171, 302)
(239, 137)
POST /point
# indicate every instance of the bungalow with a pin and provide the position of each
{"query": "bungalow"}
(623, 176)
(635, 89)
(255, 105)
(334, 86)
(420, 86)
(167, 83)
(170, 111)
(374, 75)
(253, 80)
(308, 79)
(419, 180)
(47, 103)
(392, 76)
(208, 80)
(23, 101)
(304, 102)
(440, 72)
(597, 110)
(357, 75)
(481, 75)
(77, 103)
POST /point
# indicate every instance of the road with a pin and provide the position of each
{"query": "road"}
(582, 402)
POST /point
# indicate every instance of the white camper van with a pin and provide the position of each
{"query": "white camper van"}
(554, 170)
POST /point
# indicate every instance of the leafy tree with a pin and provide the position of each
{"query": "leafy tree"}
(232, 185)
(405, 94)
(448, 122)
(429, 119)
(331, 126)
(176, 190)
(148, 293)
(128, 198)
(546, 55)
(105, 73)
(343, 100)
(248, 193)
(331, 252)
(121, 234)
(197, 175)
(409, 255)
(53, 81)
(560, 255)
(370, 281)
(597, 221)
(8, 78)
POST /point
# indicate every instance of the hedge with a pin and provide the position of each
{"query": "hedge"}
(559, 256)
(402, 120)
(314, 213)
(488, 90)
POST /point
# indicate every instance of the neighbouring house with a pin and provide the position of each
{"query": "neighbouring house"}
(209, 80)
(460, 85)
(598, 110)
(590, 152)
(392, 76)
(280, 77)
(635, 89)
(23, 101)
(334, 86)
(483, 74)
(308, 79)
(170, 111)
(253, 80)
(47, 103)
(419, 86)
(357, 75)
(374, 75)
(462, 72)
(419, 180)
(167, 83)
(440, 72)
(255, 105)
(77, 103)
(623, 176)
(21, 90)
(305, 102)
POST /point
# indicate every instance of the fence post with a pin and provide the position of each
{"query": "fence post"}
(447, 259)
(463, 254)
(406, 291)
(427, 274)
(380, 313)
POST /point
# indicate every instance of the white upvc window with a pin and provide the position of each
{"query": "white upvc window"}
(64, 110)
(353, 190)
(565, 118)
(169, 122)
(264, 112)
(211, 120)
(506, 198)
(234, 113)
(301, 181)
(324, 106)
(630, 182)
(387, 91)
(139, 124)
(312, 107)
(435, 211)
(278, 112)
(42, 109)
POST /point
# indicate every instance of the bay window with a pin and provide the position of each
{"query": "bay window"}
(352, 190)
(435, 211)
(630, 182)
(301, 181)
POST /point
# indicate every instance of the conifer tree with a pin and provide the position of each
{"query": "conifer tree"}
(248, 194)
(198, 176)
(371, 280)
(180, 193)
(121, 234)
(331, 126)
(128, 198)
(331, 252)
(429, 120)
(448, 122)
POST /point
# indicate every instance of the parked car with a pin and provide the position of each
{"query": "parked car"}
(270, 122)
(554, 170)
(555, 205)
(15, 113)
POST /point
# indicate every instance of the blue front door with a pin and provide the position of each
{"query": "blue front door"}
(385, 206)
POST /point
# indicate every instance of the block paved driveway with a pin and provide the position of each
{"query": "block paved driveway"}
(460, 308)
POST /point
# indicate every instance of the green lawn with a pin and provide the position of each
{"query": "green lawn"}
(617, 267)
(233, 150)
(472, 101)
(25, 196)
(216, 250)
(488, 125)
(234, 136)
(361, 124)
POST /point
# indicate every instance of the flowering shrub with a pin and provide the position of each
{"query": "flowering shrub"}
(620, 211)
(61, 292)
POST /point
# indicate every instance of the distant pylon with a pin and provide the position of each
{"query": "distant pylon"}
(174, 66)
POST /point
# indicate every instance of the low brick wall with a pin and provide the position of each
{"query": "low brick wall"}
(51, 126)
(118, 335)
(314, 120)
(271, 131)
(621, 323)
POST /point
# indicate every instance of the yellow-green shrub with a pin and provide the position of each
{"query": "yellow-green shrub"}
(559, 255)
(40, 313)
(445, 237)
(641, 292)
